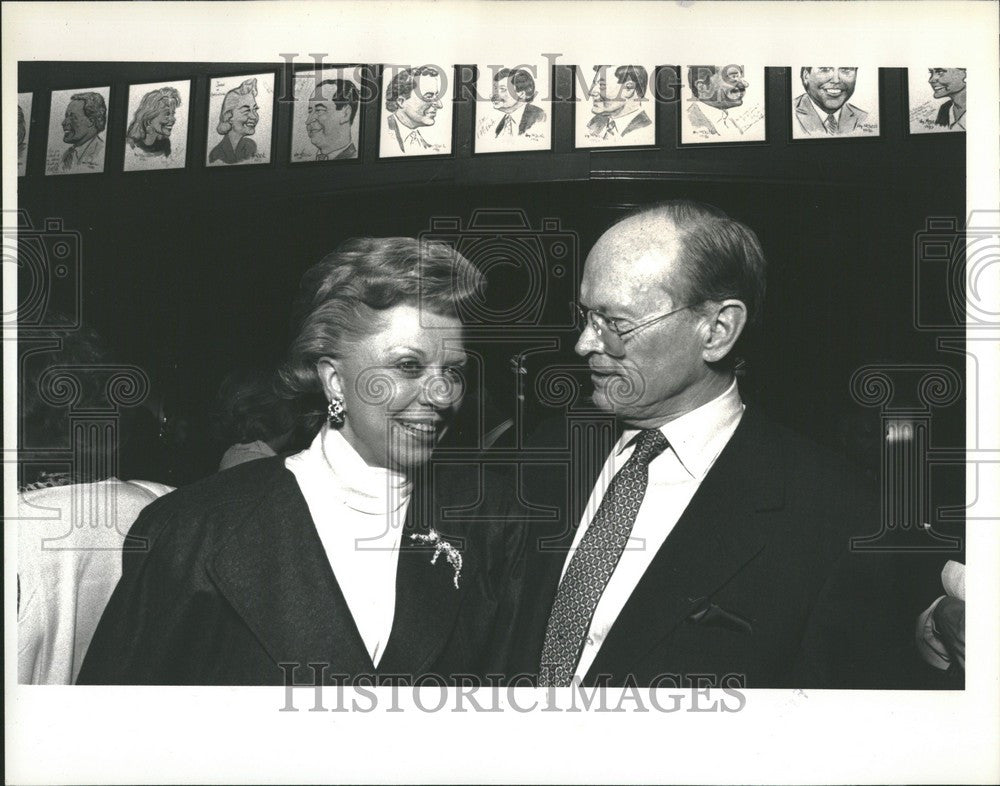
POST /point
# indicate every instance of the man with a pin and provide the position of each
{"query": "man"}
(413, 99)
(618, 112)
(949, 83)
(513, 92)
(85, 119)
(333, 106)
(711, 541)
(237, 121)
(714, 93)
(823, 108)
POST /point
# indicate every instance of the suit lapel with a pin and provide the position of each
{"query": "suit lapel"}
(721, 530)
(275, 573)
(427, 601)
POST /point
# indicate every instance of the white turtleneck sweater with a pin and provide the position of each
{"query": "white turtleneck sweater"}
(359, 512)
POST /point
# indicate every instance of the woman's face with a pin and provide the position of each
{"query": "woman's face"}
(400, 386)
(162, 122)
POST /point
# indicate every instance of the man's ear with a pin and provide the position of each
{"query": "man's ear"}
(724, 325)
(329, 376)
(701, 87)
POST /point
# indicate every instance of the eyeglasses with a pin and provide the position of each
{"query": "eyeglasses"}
(611, 336)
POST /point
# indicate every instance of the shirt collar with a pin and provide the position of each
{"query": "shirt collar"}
(337, 152)
(84, 150)
(333, 469)
(697, 437)
(823, 114)
(516, 115)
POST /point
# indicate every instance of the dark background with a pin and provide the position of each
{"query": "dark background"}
(190, 272)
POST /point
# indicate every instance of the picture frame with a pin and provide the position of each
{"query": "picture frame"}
(24, 106)
(77, 135)
(249, 140)
(513, 108)
(731, 109)
(318, 133)
(845, 96)
(618, 109)
(157, 128)
(417, 125)
(935, 100)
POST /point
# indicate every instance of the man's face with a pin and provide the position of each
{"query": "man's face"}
(324, 122)
(77, 127)
(606, 95)
(946, 81)
(724, 89)
(633, 274)
(830, 87)
(421, 106)
(163, 121)
(505, 96)
(245, 116)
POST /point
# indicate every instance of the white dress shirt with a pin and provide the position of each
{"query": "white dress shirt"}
(696, 439)
(358, 511)
(512, 125)
(825, 116)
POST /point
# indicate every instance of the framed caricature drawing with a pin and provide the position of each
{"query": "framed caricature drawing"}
(78, 120)
(936, 98)
(834, 101)
(722, 103)
(240, 110)
(326, 121)
(513, 108)
(416, 112)
(156, 133)
(614, 105)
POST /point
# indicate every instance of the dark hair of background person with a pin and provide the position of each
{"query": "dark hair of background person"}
(248, 409)
(340, 295)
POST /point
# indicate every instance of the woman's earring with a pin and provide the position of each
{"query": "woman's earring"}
(335, 413)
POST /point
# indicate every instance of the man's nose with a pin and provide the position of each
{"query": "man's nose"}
(588, 342)
(438, 104)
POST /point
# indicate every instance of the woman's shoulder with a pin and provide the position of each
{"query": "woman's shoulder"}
(208, 509)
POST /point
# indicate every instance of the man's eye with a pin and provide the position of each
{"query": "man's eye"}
(454, 373)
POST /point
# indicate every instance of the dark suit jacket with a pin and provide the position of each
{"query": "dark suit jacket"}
(809, 121)
(245, 148)
(235, 581)
(757, 578)
(532, 114)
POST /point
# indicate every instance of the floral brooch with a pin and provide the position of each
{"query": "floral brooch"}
(441, 546)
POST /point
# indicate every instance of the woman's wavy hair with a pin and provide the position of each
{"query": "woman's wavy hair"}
(339, 297)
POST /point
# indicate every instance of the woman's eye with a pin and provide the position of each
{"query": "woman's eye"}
(410, 367)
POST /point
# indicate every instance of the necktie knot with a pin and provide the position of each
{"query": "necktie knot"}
(649, 444)
(831, 124)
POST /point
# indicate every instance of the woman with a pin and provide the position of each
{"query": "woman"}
(281, 563)
(148, 134)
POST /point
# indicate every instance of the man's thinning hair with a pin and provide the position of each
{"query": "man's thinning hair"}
(721, 257)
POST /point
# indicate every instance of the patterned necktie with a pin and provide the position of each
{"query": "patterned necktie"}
(832, 125)
(610, 130)
(593, 563)
(505, 125)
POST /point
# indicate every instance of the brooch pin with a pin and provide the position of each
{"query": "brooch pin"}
(441, 546)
